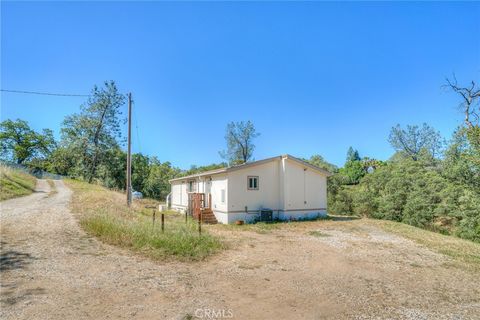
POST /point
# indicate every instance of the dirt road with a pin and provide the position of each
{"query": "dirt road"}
(50, 269)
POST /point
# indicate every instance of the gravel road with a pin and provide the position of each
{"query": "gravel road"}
(50, 269)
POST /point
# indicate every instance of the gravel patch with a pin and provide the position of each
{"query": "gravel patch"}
(51, 269)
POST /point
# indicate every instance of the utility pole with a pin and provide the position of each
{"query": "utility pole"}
(129, 152)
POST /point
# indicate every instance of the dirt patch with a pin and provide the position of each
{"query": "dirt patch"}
(315, 270)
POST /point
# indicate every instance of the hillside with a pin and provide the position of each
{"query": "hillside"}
(14, 183)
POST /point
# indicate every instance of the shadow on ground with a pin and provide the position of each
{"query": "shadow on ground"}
(342, 218)
(12, 259)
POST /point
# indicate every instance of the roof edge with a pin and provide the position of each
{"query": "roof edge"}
(307, 164)
(201, 174)
(251, 164)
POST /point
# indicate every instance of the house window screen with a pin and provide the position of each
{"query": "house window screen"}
(252, 183)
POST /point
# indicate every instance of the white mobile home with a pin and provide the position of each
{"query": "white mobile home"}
(289, 188)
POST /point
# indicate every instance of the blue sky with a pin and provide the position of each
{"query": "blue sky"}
(314, 77)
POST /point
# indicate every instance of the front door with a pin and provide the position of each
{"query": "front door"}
(208, 188)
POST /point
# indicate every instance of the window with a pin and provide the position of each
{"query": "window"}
(252, 183)
(223, 195)
(192, 186)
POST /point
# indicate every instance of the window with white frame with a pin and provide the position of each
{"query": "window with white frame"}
(252, 182)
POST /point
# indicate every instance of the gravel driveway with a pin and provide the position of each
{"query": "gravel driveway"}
(50, 269)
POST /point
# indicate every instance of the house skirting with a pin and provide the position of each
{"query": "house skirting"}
(251, 216)
(283, 215)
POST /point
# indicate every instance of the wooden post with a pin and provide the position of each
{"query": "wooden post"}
(200, 224)
(186, 217)
(163, 222)
(153, 218)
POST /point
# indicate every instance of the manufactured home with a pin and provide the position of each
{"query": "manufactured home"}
(278, 188)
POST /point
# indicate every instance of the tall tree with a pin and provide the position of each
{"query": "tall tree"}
(415, 140)
(352, 155)
(470, 106)
(239, 137)
(94, 132)
(20, 143)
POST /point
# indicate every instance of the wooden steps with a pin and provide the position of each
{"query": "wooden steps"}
(208, 216)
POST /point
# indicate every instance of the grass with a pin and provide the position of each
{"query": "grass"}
(104, 214)
(266, 227)
(14, 183)
(319, 234)
(459, 249)
(258, 227)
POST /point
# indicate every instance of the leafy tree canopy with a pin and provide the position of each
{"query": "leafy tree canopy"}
(240, 146)
(415, 141)
(352, 155)
(93, 134)
(20, 143)
(319, 161)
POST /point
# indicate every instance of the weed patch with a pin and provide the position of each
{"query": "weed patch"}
(103, 213)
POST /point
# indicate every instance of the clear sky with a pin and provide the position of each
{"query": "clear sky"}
(315, 78)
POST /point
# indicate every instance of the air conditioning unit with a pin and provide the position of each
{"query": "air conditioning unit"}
(266, 215)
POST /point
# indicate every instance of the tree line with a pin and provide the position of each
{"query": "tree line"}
(90, 147)
(428, 182)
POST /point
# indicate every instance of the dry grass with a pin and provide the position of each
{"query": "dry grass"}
(53, 188)
(259, 227)
(14, 183)
(104, 214)
(463, 251)
(318, 234)
(267, 227)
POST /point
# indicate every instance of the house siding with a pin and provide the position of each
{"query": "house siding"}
(267, 195)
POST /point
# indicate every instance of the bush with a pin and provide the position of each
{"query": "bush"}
(414, 192)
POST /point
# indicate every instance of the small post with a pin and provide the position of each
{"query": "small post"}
(186, 217)
(163, 222)
(153, 214)
(200, 223)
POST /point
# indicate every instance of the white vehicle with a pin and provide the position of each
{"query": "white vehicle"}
(137, 195)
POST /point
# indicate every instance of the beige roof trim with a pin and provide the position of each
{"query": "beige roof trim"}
(251, 164)
(202, 174)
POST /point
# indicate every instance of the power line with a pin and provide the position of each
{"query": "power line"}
(46, 93)
(136, 127)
